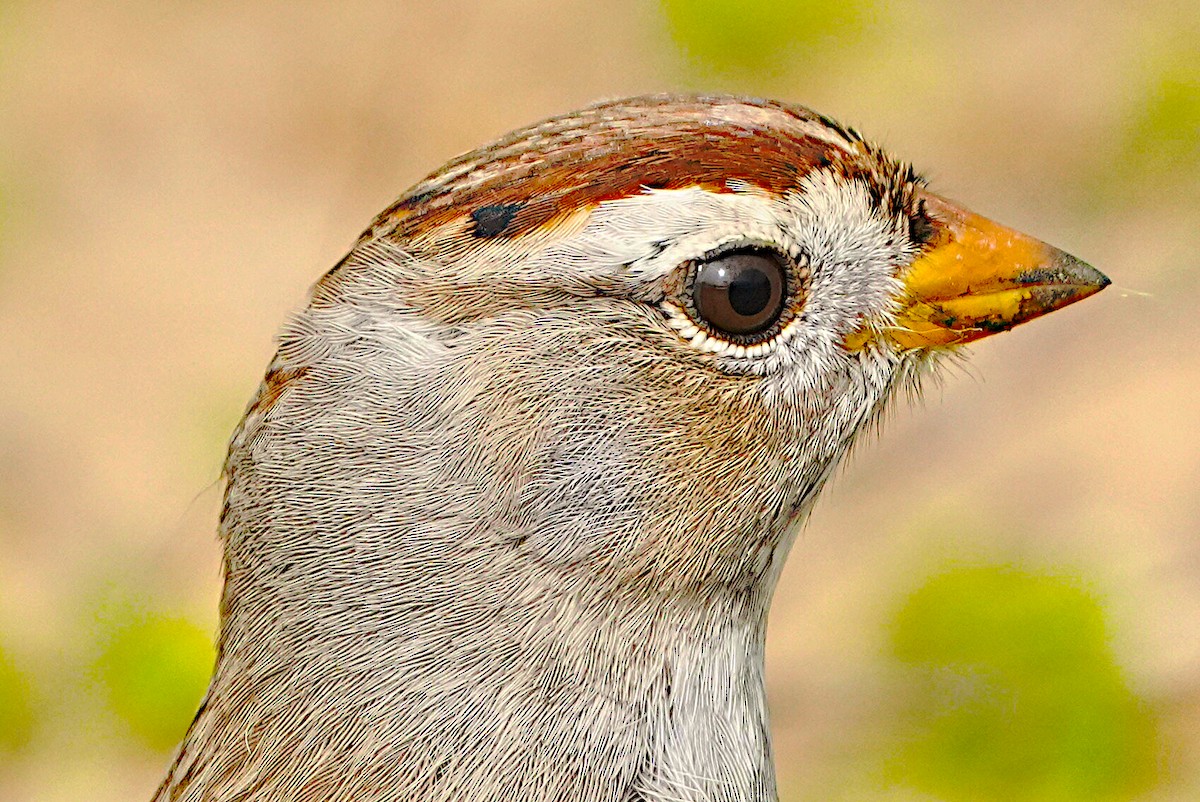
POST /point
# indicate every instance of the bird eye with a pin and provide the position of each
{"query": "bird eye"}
(740, 292)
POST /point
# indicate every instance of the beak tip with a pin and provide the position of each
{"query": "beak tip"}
(1078, 273)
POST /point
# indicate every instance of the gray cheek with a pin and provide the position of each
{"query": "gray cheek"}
(534, 422)
(583, 502)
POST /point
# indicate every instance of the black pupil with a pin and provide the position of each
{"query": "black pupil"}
(740, 292)
(750, 292)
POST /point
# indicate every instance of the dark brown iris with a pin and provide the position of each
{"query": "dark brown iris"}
(741, 292)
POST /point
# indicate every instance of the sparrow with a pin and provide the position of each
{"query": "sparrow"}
(505, 517)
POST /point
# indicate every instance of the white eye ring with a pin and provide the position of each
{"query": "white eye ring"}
(703, 341)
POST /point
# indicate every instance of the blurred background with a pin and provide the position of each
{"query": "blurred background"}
(999, 599)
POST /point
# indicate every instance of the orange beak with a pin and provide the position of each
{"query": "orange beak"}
(977, 278)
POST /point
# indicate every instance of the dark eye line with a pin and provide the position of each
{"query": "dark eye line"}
(920, 226)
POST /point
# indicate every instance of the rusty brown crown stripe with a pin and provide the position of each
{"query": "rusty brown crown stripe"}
(539, 174)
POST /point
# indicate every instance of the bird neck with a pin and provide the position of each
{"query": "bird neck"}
(595, 699)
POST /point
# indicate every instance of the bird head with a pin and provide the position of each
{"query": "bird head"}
(567, 399)
(629, 343)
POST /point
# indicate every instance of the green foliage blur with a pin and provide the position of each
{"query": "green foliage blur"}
(154, 669)
(1012, 692)
(1163, 141)
(752, 38)
(16, 707)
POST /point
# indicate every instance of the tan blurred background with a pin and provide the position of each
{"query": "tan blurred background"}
(999, 598)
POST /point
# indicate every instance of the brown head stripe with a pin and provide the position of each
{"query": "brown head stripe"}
(613, 150)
